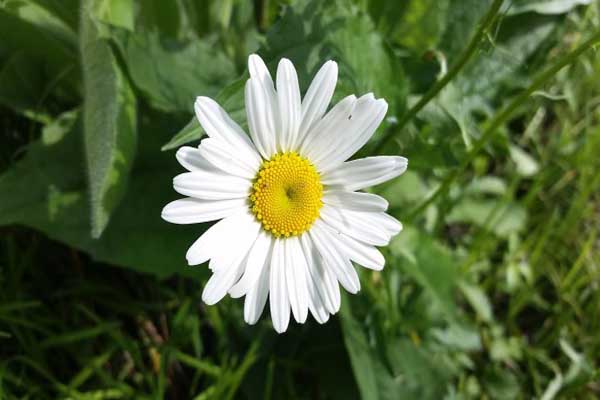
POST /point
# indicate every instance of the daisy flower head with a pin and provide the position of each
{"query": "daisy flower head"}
(291, 216)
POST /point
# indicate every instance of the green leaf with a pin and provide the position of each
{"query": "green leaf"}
(179, 71)
(164, 16)
(486, 185)
(500, 383)
(502, 218)
(526, 164)
(497, 67)
(62, 9)
(430, 264)
(312, 32)
(478, 300)
(472, 93)
(109, 121)
(545, 6)
(407, 189)
(461, 20)
(421, 25)
(54, 200)
(192, 131)
(41, 15)
(458, 337)
(231, 98)
(115, 12)
(360, 354)
(420, 373)
(34, 61)
(416, 372)
(20, 85)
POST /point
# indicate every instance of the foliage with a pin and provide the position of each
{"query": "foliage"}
(489, 292)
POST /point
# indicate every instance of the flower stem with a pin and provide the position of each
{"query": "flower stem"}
(500, 118)
(484, 24)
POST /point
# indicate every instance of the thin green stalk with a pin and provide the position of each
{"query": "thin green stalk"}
(484, 24)
(504, 115)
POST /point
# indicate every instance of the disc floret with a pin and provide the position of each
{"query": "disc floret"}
(286, 194)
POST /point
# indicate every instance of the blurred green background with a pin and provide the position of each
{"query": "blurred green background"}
(491, 291)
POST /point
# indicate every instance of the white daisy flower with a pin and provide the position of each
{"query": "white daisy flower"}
(292, 218)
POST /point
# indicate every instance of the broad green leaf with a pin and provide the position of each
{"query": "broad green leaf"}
(34, 61)
(478, 300)
(545, 6)
(526, 164)
(431, 264)
(179, 70)
(311, 33)
(385, 14)
(109, 123)
(66, 10)
(407, 189)
(486, 185)
(497, 67)
(458, 337)
(424, 372)
(500, 383)
(462, 18)
(160, 15)
(116, 12)
(192, 131)
(20, 86)
(471, 94)
(44, 19)
(494, 215)
(231, 98)
(54, 200)
(430, 145)
(421, 25)
(416, 372)
(361, 355)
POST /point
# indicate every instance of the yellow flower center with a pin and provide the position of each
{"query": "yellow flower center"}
(286, 195)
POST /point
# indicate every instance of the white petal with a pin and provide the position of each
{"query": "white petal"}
(243, 237)
(365, 172)
(334, 257)
(318, 139)
(279, 301)
(389, 223)
(258, 70)
(361, 253)
(318, 96)
(216, 240)
(256, 298)
(258, 259)
(290, 111)
(229, 264)
(218, 125)
(353, 133)
(296, 278)
(363, 226)
(218, 284)
(211, 185)
(194, 211)
(260, 106)
(222, 156)
(191, 159)
(315, 305)
(355, 200)
(324, 278)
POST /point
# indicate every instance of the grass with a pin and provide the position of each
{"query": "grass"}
(71, 328)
